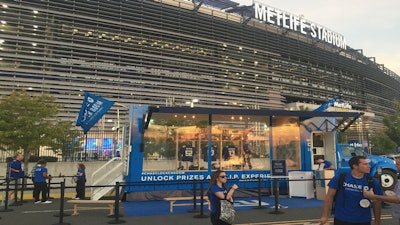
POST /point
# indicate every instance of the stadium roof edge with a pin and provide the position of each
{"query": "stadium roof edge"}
(256, 112)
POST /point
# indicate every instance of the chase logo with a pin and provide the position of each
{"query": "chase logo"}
(353, 186)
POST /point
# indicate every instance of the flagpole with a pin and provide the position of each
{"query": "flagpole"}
(85, 149)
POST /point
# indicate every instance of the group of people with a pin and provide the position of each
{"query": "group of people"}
(353, 196)
(39, 176)
(356, 194)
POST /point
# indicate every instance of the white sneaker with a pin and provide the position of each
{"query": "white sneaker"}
(76, 198)
(47, 202)
(37, 202)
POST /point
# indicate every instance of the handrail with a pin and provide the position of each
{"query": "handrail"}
(105, 174)
(109, 172)
(104, 166)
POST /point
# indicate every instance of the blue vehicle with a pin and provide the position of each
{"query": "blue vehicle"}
(380, 166)
(324, 145)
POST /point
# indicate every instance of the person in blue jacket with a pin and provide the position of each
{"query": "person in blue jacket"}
(216, 192)
(80, 179)
(39, 181)
(326, 165)
(15, 172)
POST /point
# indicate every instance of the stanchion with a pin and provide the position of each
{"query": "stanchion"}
(276, 194)
(116, 207)
(62, 198)
(49, 188)
(6, 209)
(201, 215)
(194, 210)
(16, 203)
(22, 190)
(260, 206)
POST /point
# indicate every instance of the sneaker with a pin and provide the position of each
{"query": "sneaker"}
(76, 198)
(37, 202)
(47, 202)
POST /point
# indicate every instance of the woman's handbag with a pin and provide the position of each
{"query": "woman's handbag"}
(227, 211)
(74, 179)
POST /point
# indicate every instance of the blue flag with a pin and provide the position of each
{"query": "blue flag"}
(93, 108)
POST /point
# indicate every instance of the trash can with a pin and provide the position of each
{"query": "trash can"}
(303, 184)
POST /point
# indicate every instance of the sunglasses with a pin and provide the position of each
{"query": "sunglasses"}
(222, 176)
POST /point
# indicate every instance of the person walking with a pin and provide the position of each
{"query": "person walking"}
(80, 179)
(391, 196)
(15, 172)
(39, 181)
(351, 207)
(218, 191)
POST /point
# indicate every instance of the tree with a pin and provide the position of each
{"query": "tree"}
(392, 124)
(381, 143)
(28, 122)
(68, 141)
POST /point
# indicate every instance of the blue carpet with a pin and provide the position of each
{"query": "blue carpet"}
(149, 208)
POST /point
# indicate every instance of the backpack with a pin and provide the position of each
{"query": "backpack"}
(342, 176)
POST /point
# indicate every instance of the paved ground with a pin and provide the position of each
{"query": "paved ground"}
(31, 214)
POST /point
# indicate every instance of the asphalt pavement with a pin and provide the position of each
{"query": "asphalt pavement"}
(48, 214)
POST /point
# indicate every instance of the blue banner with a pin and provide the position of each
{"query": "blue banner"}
(93, 108)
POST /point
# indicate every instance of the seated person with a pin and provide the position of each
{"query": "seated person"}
(327, 165)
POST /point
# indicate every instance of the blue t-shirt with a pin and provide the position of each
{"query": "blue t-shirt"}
(327, 164)
(348, 206)
(16, 164)
(214, 200)
(83, 177)
(39, 178)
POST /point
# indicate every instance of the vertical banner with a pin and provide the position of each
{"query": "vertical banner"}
(92, 109)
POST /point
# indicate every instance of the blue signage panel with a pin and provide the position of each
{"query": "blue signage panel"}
(278, 168)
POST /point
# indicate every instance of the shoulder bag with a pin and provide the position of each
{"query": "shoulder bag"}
(227, 211)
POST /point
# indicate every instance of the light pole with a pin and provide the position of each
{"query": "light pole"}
(117, 129)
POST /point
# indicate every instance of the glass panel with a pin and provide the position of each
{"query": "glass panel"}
(180, 142)
(173, 142)
(242, 142)
(286, 140)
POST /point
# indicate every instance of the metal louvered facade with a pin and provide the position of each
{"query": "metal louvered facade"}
(153, 52)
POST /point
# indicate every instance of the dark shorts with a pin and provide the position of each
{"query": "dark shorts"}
(13, 182)
(339, 222)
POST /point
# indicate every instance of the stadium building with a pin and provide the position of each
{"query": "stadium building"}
(210, 53)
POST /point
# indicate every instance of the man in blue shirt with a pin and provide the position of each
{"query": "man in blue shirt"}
(351, 206)
(325, 164)
(16, 171)
(39, 182)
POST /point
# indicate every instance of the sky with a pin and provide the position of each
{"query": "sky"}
(370, 25)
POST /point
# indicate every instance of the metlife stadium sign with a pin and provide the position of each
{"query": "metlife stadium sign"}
(295, 23)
